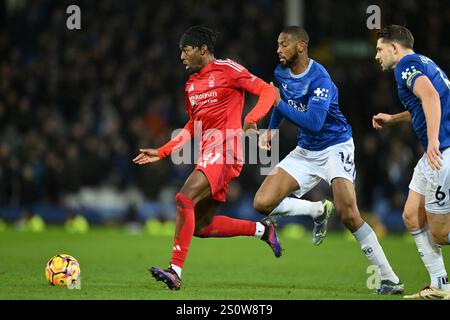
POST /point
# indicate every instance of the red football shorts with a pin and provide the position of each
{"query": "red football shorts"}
(218, 174)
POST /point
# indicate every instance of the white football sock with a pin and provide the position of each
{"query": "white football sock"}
(373, 251)
(431, 255)
(298, 207)
(177, 269)
(260, 228)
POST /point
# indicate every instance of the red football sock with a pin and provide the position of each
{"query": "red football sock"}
(185, 224)
(222, 226)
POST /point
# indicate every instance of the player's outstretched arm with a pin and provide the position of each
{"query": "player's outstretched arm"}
(146, 156)
(152, 155)
(381, 119)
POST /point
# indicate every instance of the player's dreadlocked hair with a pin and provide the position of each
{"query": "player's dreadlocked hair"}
(195, 36)
(297, 32)
(398, 34)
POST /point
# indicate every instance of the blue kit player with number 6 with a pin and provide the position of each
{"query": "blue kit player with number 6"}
(308, 98)
(424, 90)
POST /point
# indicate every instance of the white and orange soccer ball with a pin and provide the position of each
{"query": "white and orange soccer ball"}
(63, 270)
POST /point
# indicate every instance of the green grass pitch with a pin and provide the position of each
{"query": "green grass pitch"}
(114, 266)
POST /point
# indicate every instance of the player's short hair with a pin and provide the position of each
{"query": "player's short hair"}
(397, 33)
(298, 32)
(195, 36)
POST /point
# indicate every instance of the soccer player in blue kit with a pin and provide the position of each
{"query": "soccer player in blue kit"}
(424, 90)
(308, 98)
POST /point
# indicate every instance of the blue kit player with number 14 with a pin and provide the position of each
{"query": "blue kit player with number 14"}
(308, 98)
(424, 90)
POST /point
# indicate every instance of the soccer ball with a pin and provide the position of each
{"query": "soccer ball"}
(62, 270)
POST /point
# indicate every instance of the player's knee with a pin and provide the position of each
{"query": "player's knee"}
(184, 201)
(410, 221)
(195, 190)
(406, 219)
(263, 204)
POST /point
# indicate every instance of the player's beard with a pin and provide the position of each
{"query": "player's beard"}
(388, 63)
(390, 67)
(387, 67)
(289, 62)
(193, 70)
(195, 66)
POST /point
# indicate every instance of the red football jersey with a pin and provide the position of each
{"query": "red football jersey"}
(215, 101)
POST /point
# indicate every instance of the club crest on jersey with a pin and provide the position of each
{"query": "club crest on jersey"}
(305, 90)
(211, 81)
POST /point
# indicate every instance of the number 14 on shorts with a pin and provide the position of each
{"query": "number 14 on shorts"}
(347, 161)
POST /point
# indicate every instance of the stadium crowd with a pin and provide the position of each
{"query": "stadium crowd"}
(76, 105)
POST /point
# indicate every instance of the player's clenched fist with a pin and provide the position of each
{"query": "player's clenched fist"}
(265, 140)
(381, 119)
(146, 156)
(250, 128)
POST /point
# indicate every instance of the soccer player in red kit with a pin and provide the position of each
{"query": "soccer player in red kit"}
(214, 101)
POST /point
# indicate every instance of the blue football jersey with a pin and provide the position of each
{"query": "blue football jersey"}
(407, 71)
(313, 96)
